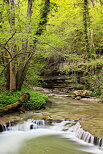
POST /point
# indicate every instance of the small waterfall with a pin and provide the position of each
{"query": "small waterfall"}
(28, 125)
(6, 126)
(73, 126)
(82, 134)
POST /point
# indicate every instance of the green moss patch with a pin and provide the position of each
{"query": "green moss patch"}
(37, 99)
(9, 97)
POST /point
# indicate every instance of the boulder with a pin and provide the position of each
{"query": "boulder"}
(82, 93)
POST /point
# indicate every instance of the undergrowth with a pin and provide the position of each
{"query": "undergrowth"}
(37, 99)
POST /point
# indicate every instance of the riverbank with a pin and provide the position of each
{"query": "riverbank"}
(89, 113)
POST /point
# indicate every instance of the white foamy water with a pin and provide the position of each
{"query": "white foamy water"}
(11, 141)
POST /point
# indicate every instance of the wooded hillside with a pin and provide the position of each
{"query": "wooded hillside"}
(38, 34)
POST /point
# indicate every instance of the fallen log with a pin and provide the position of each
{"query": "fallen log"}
(15, 106)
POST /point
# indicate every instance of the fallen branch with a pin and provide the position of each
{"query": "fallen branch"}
(15, 106)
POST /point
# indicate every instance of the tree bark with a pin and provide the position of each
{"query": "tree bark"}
(20, 76)
(7, 70)
(44, 17)
(12, 46)
(85, 21)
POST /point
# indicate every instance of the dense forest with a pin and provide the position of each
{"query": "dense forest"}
(36, 34)
(51, 72)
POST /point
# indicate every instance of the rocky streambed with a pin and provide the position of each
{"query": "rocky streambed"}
(63, 107)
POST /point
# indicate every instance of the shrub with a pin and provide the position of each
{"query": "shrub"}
(37, 100)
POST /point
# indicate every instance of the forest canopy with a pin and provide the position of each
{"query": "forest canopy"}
(33, 31)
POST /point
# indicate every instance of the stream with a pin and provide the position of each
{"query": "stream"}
(49, 131)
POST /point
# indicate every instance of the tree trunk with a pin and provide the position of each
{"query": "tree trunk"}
(20, 76)
(16, 79)
(12, 77)
(12, 46)
(7, 70)
(21, 73)
(85, 21)
(44, 17)
(92, 41)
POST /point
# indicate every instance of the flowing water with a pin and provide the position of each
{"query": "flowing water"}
(34, 137)
(50, 137)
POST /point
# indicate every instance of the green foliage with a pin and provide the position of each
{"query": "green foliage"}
(9, 97)
(96, 93)
(94, 83)
(63, 35)
(2, 83)
(37, 100)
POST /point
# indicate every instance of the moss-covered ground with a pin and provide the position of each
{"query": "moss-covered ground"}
(37, 99)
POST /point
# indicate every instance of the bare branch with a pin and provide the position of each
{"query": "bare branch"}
(10, 38)
(4, 45)
(8, 51)
(12, 60)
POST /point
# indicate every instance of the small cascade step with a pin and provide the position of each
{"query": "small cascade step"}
(85, 136)
(27, 125)
(5, 127)
(63, 125)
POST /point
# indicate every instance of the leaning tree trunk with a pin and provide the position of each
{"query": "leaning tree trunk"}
(20, 76)
(12, 46)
